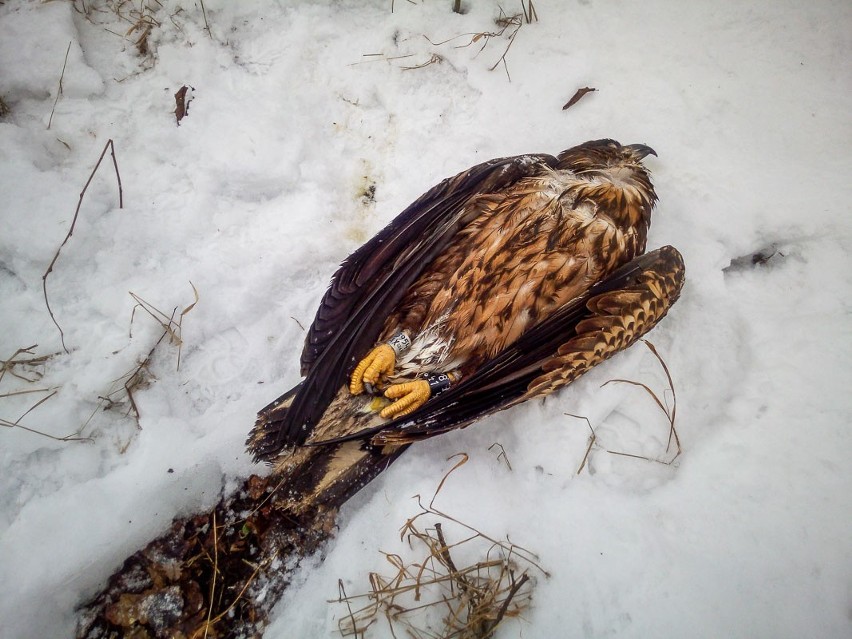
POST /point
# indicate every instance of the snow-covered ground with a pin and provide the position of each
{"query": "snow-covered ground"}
(308, 131)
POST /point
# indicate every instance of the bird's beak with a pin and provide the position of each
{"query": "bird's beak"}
(641, 150)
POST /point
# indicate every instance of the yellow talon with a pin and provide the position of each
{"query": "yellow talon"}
(408, 396)
(380, 361)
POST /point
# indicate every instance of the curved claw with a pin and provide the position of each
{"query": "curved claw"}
(408, 396)
(379, 361)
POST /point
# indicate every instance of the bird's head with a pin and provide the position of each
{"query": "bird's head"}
(604, 154)
(614, 177)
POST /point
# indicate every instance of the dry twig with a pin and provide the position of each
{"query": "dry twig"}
(33, 365)
(206, 24)
(59, 88)
(109, 145)
(505, 22)
(592, 439)
(530, 14)
(502, 453)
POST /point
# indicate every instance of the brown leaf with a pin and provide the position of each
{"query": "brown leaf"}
(181, 104)
(576, 97)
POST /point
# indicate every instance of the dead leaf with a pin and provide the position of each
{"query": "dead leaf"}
(181, 104)
(576, 97)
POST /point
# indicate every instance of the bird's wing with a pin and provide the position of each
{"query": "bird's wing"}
(368, 286)
(612, 316)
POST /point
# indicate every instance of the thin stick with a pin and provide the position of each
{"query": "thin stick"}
(516, 586)
(59, 89)
(215, 572)
(108, 145)
(34, 406)
(180, 320)
(66, 438)
(502, 453)
(26, 391)
(530, 14)
(503, 57)
(444, 552)
(648, 459)
(207, 27)
(592, 439)
(343, 598)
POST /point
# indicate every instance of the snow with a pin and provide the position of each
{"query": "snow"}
(264, 188)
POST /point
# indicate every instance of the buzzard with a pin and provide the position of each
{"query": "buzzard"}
(500, 284)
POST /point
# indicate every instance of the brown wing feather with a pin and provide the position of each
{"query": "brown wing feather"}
(617, 320)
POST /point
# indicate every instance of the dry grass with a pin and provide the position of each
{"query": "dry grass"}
(670, 413)
(29, 367)
(139, 19)
(59, 88)
(171, 326)
(26, 366)
(121, 392)
(436, 597)
(120, 395)
(508, 26)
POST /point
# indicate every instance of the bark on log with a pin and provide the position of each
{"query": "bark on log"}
(218, 574)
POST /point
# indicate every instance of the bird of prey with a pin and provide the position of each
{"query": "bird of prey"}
(500, 284)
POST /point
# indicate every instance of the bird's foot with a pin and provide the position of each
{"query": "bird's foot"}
(409, 396)
(379, 363)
